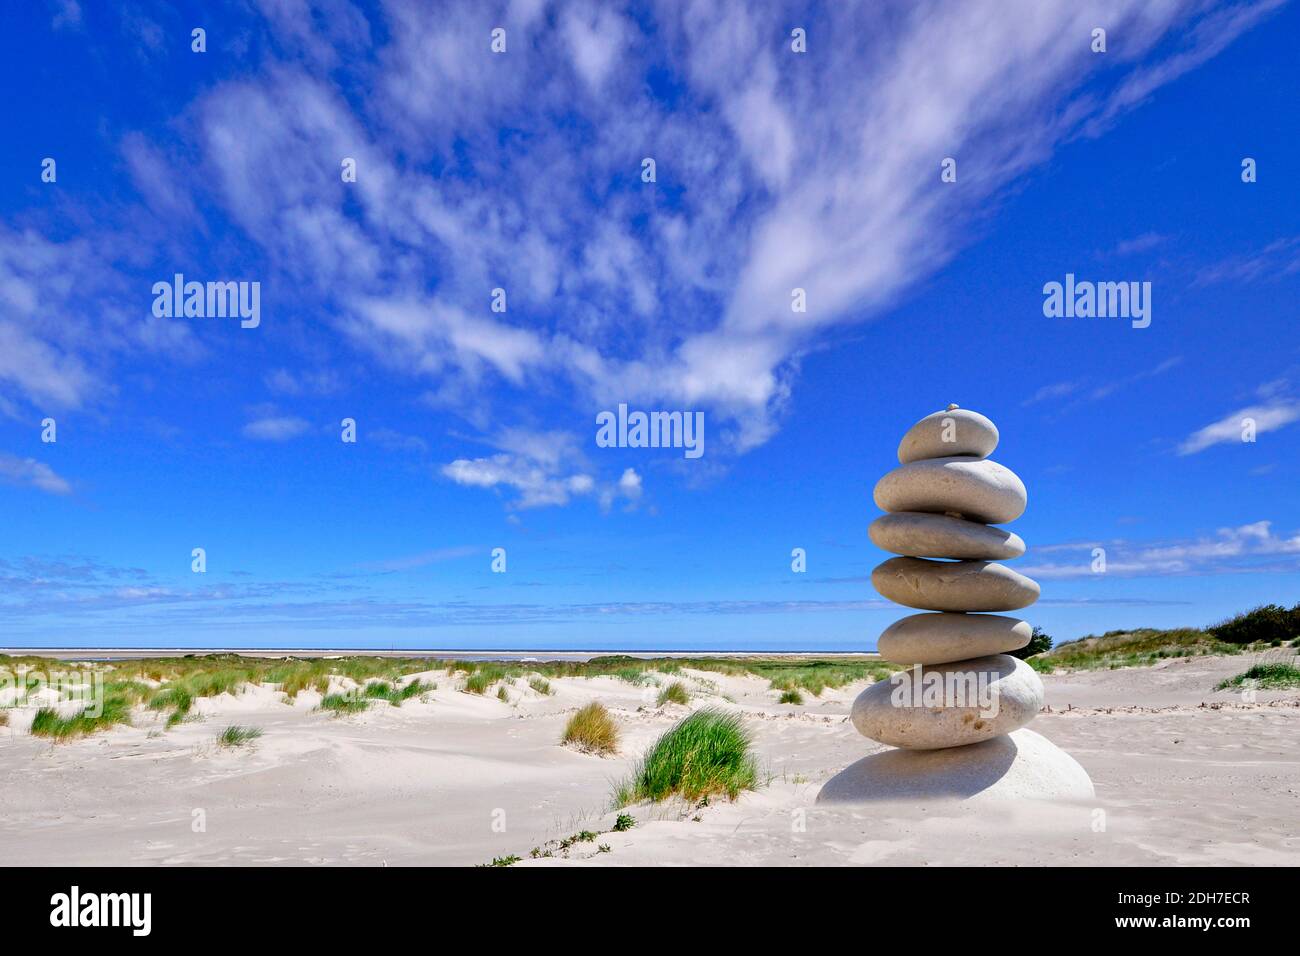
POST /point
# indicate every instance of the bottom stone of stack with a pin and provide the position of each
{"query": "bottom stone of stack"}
(1018, 766)
(950, 705)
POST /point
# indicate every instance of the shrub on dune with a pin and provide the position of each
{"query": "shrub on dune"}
(791, 697)
(592, 730)
(1040, 642)
(1264, 624)
(706, 754)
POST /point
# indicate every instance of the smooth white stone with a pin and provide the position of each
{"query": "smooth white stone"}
(975, 488)
(922, 535)
(967, 433)
(977, 699)
(939, 638)
(953, 585)
(1018, 766)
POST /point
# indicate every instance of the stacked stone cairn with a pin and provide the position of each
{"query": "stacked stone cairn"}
(941, 506)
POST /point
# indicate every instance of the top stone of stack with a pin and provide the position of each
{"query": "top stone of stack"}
(966, 434)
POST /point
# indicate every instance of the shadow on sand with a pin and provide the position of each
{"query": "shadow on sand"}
(954, 773)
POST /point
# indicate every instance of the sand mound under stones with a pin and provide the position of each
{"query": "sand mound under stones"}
(956, 714)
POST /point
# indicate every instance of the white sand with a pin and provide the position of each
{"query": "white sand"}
(1184, 775)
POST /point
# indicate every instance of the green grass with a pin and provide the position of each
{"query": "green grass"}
(790, 697)
(237, 736)
(624, 821)
(1137, 648)
(634, 675)
(298, 676)
(502, 695)
(708, 753)
(816, 676)
(344, 703)
(1266, 676)
(119, 697)
(176, 698)
(48, 723)
(503, 861)
(184, 680)
(541, 685)
(592, 730)
(483, 677)
(675, 693)
(385, 690)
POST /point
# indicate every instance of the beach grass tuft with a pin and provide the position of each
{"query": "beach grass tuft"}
(791, 696)
(592, 730)
(483, 677)
(119, 697)
(237, 736)
(48, 722)
(393, 693)
(177, 698)
(675, 693)
(541, 685)
(344, 703)
(708, 753)
(1275, 676)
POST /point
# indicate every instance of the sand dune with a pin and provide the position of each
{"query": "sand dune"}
(1184, 775)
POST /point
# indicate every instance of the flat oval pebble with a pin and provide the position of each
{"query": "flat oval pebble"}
(956, 431)
(953, 585)
(975, 488)
(945, 636)
(949, 705)
(922, 535)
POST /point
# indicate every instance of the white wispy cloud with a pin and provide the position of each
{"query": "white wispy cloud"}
(277, 428)
(542, 468)
(775, 171)
(744, 230)
(426, 558)
(1142, 243)
(30, 473)
(1278, 258)
(1268, 416)
(1084, 391)
(1249, 547)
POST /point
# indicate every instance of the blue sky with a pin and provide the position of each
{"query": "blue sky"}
(522, 170)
